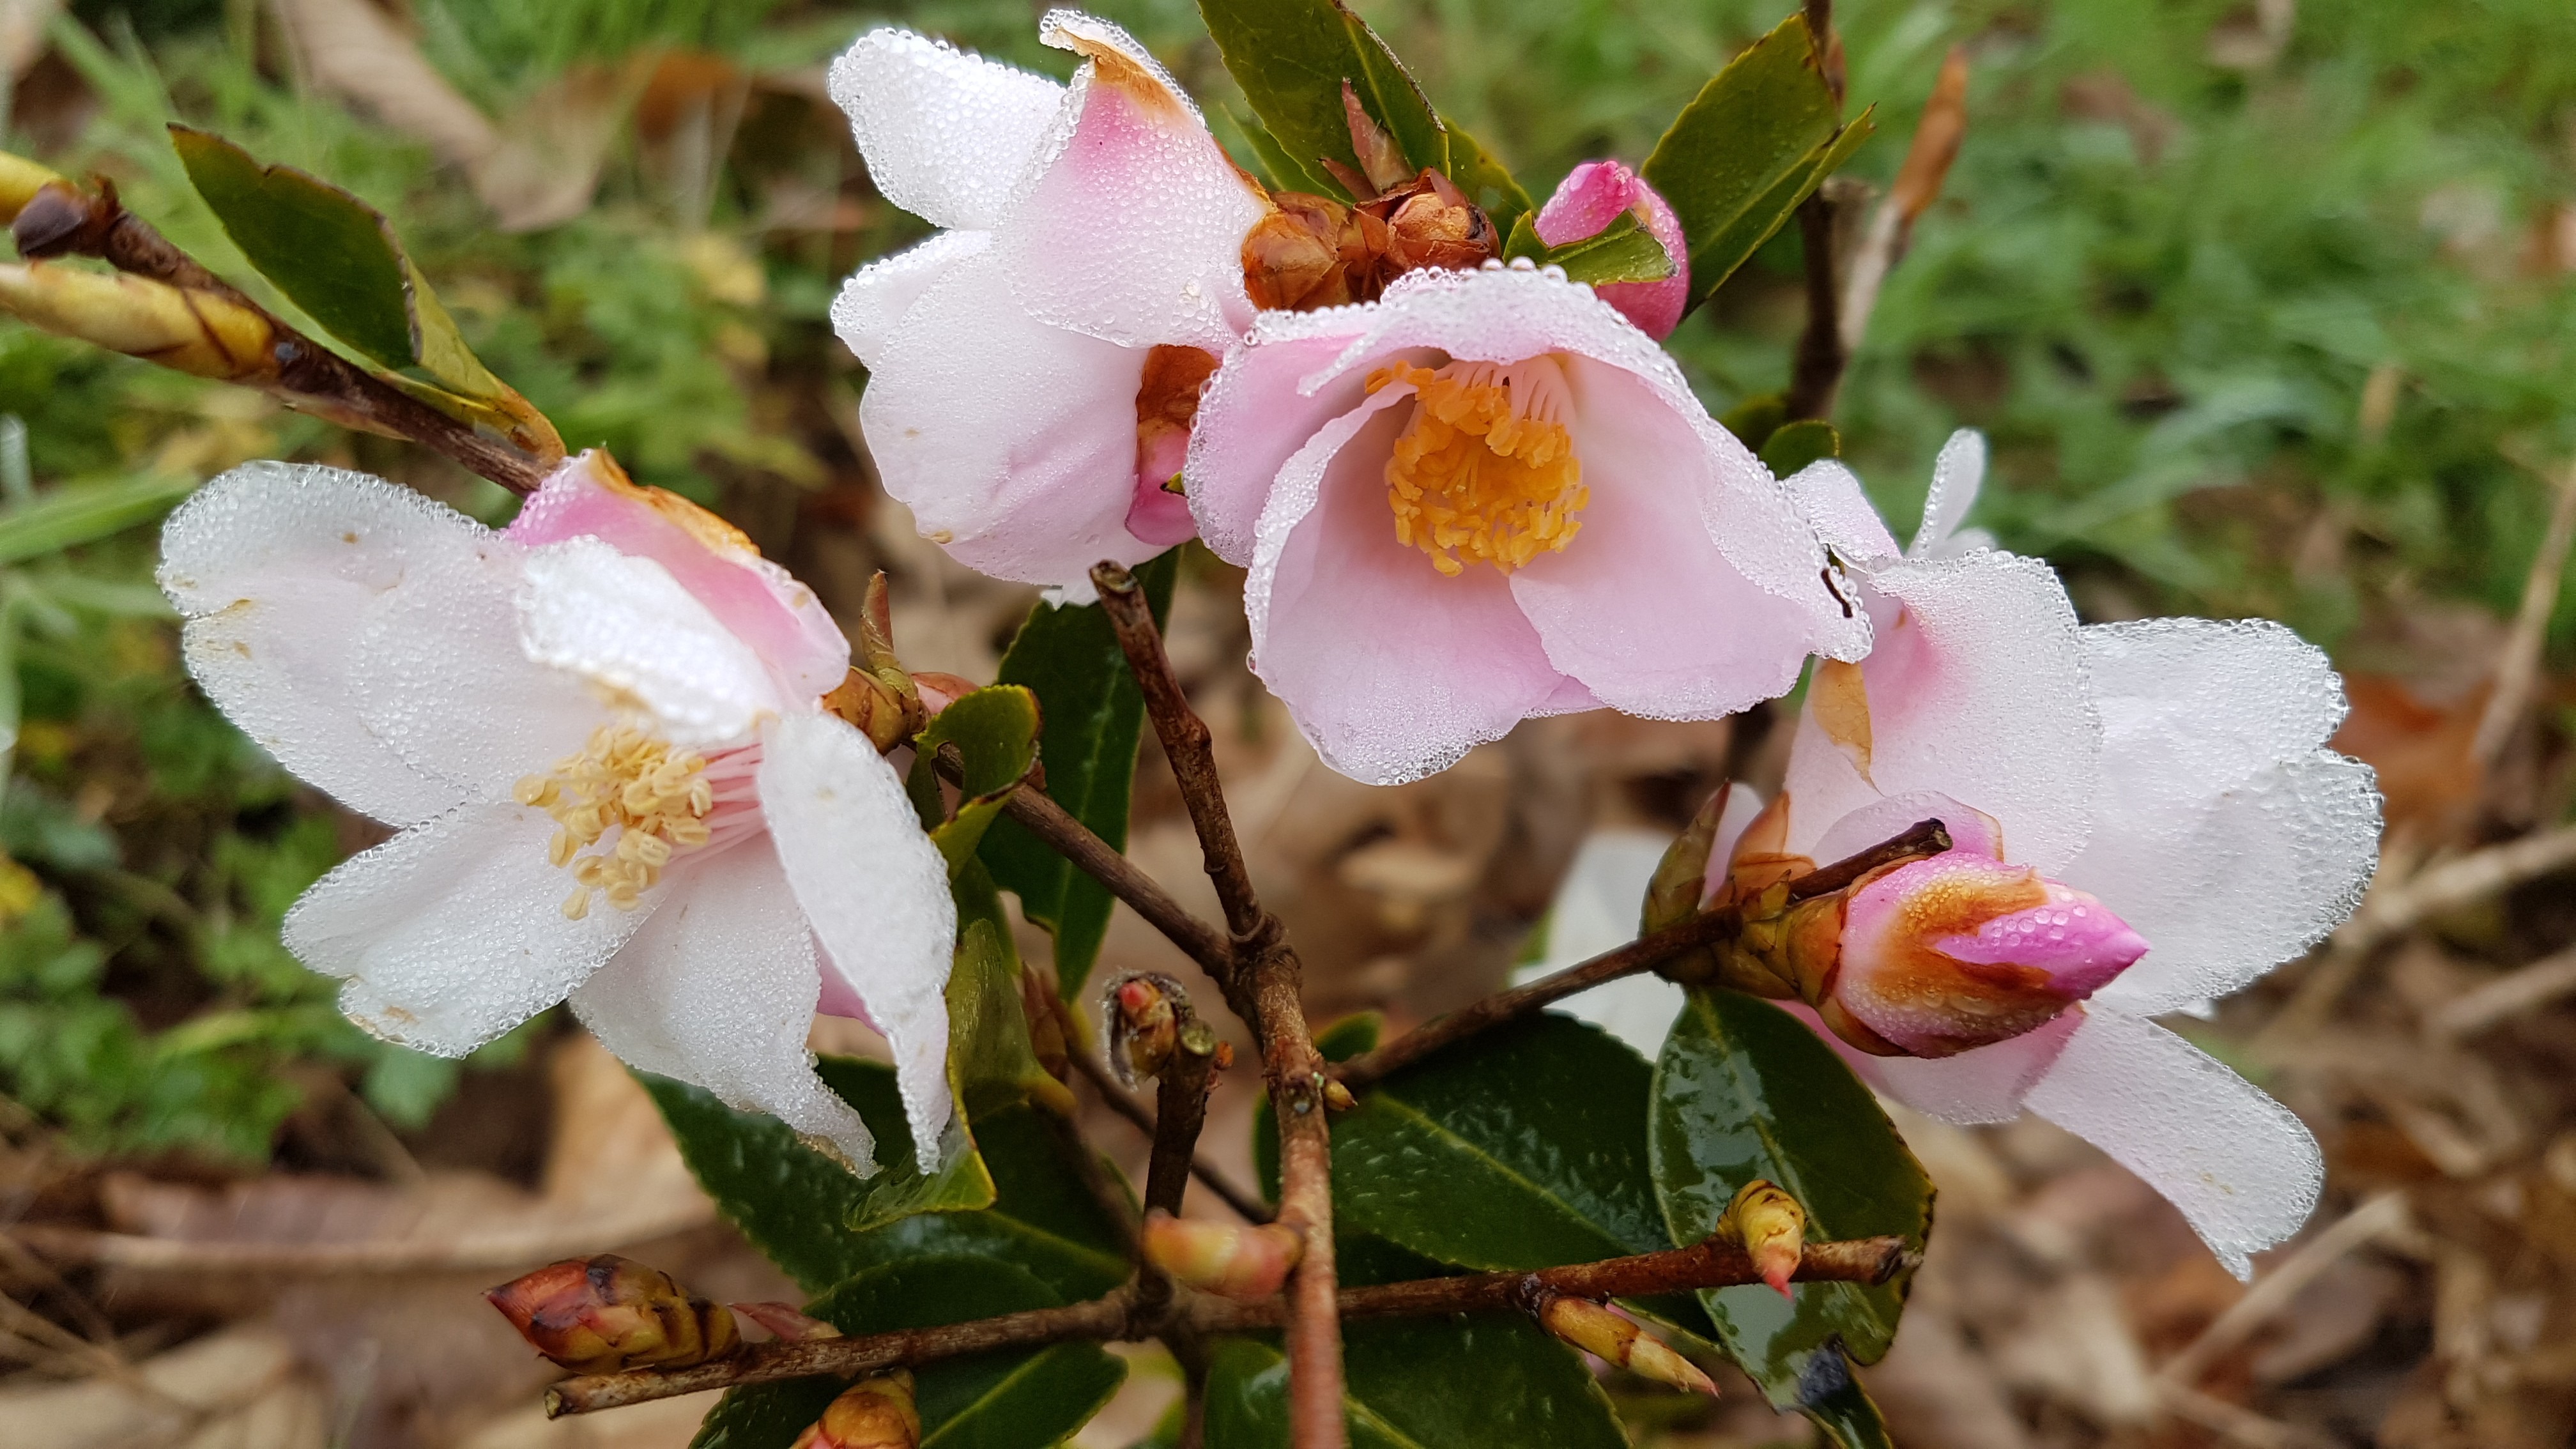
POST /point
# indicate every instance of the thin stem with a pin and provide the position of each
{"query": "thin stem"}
(1264, 984)
(1180, 1111)
(1246, 1206)
(1928, 837)
(1091, 855)
(1817, 373)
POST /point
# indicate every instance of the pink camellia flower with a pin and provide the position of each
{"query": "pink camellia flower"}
(599, 735)
(2168, 778)
(1034, 368)
(1488, 496)
(1597, 193)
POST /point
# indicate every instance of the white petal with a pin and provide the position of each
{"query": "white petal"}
(440, 676)
(1984, 1085)
(1839, 509)
(1955, 478)
(1596, 910)
(1012, 442)
(1131, 227)
(2241, 1166)
(453, 932)
(2220, 699)
(718, 991)
(876, 891)
(624, 623)
(275, 567)
(1979, 692)
(946, 134)
(874, 301)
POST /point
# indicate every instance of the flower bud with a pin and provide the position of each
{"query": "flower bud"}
(1230, 1260)
(200, 332)
(1597, 193)
(1772, 1228)
(602, 1314)
(1144, 1013)
(1614, 1338)
(874, 1413)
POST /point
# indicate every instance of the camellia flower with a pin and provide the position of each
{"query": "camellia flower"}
(599, 734)
(1034, 368)
(1596, 194)
(2168, 777)
(1488, 496)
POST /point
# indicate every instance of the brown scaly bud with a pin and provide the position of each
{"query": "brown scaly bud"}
(1046, 1024)
(1231, 1260)
(786, 1323)
(874, 1413)
(1772, 1228)
(939, 689)
(1144, 1013)
(1431, 223)
(599, 1315)
(1311, 251)
(877, 697)
(1615, 1339)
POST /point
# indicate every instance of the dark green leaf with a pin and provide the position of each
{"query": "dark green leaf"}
(1742, 155)
(1485, 180)
(990, 1059)
(1624, 251)
(1847, 1414)
(1793, 446)
(1093, 715)
(1350, 1036)
(1011, 1399)
(1755, 419)
(1042, 1218)
(1450, 1383)
(1291, 57)
(996, 732)
(1744, 1090)
(797, 1205)
(1284, 172)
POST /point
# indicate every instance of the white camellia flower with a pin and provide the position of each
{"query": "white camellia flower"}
(599, 734)
(2174, 771)
(1034, 368)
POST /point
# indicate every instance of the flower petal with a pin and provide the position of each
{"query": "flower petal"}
(623, 622)
(453, 932)
(946, 135)
(2242, 1167)
(1013, 442)
(1986, 1084)
(1391, 670)
(718, 991)
(1595, 910)
(1956, 475)
(1131, 227)
(876, 891)
(876, 298)
(1839, 509)
(1646, 606)
(275, 567)
(1258, 410)
(1978, 692)
(1592, 196)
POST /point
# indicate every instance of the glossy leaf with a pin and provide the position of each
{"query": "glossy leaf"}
(1282, 172)
(1470, 1382)
(1291, 58)
(1741, 156)
(1744, 1090)
(1755, 419)
(995, 731)
(1486, 180)
(796, 1205)
(990, 1059)
(337, 258)
(1010, 1399)
(1093, 715)
(1793, 446)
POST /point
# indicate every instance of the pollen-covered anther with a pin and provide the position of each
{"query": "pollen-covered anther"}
(1485, 471)
(654, 798)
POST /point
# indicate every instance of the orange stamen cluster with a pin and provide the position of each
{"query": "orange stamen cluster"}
(655, 796)
(1486, 468)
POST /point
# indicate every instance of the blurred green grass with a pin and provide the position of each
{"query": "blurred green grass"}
(2176, 257)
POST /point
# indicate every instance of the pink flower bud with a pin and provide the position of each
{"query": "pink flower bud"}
(1592, 196)
(1938, 956)
(1228, 1259)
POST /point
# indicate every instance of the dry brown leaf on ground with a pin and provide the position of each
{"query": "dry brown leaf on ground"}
(239, 1389)
(355, 50)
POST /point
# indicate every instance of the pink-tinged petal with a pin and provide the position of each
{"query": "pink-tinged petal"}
(1391, 670)
(946, 135)
(2071, 935)
(1595, 910)
(1012, 442)
(1956, 475)
(1984, 1085)
(876, 298)
(2244, 1170)
(1645, 607)
(1977, 691)
(1597, 193)
(1971, 829)
(623, 623)
(453, 932)
(1131, 226)
(762, 604)
(1257, 412)
(718, 989)
(1840, 511)
(876, 891)
(276, 567)
(1157, 514)
(1743, 807)
(2225, 833)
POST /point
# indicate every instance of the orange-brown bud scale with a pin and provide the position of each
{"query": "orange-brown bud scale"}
(1228, 1259)
(1618, 1340)
(875, 1413)
(1167, 396)
(1311, 251)
(1144, 1014)
(602, 1314)
(786, 1322)
(1771, 1226)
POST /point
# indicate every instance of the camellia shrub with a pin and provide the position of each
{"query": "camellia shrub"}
(633, 766)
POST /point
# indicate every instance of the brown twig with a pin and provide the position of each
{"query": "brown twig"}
(1710, 1264)
(1818, 370)
(2518, 665)
(1246, 1206)
(1927, 837)
(1263, 982)
(1180, 1110)
(1070, 838)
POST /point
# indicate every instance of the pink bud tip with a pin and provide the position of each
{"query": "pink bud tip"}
(1592, 196)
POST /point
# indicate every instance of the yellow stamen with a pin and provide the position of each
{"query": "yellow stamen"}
(1486, 467)
(653, 795)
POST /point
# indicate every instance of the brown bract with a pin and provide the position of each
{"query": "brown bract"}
(602, 1314)
(1167, 397)
(1312, 251)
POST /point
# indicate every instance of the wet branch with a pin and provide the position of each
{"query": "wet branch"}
(1094, 857)
(1246, 1206)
